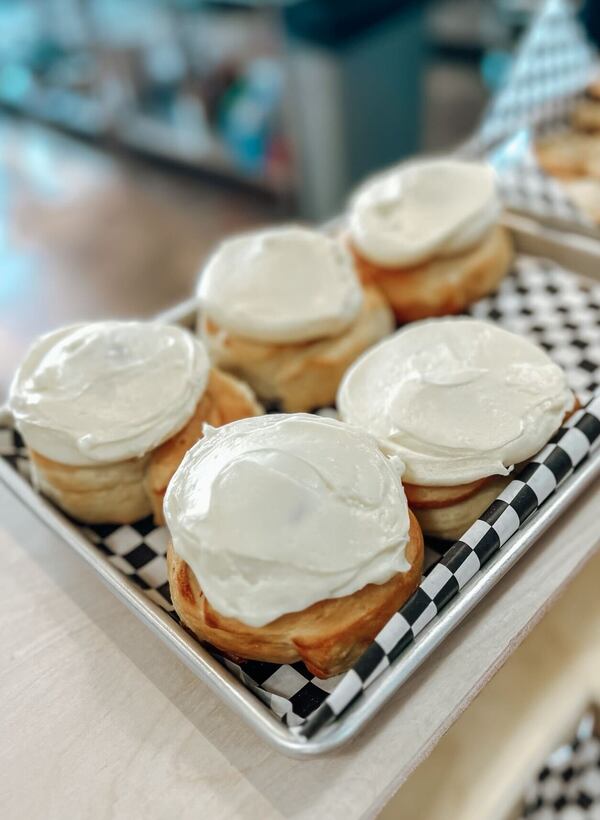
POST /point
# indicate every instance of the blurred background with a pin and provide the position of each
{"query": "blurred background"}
(134, 134)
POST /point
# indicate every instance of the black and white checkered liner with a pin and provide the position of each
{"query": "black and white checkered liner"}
(554, 61)
(568, 784)
(540, 300)
(524, 187)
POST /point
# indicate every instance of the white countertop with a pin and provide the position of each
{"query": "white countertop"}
(100, 720)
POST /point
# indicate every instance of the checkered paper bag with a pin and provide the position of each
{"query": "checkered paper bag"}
(553, 307)
(553, 65)
(553, 62)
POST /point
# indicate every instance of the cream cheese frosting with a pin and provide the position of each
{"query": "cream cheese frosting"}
(277, 512)
(287, 284)
(107, 391)
(456, 399)
(425, 209)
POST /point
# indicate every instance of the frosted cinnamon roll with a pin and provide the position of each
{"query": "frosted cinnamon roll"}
(427, 234)
(460, 402)
(291, 540)
(107, 410)
(284, 310)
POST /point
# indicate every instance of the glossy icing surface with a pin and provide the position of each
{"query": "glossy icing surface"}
(107, 391)
(277, 512)
(456, 399)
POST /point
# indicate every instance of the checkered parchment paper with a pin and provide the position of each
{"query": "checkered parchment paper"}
(553, 62)
(567, 787)
(555, 308)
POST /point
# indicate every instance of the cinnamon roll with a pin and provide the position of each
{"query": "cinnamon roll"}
(427, 234)
(291, 540)
(107, 409)
(284, 310)
(460, 402)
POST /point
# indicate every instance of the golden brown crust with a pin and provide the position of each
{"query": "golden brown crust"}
(442, 286)
(569, 155)
(328, 636)
(420, 497)
(447, 512)
(125, 491)
(586, 115)
(225, 399)
(450, 521)
(305, 375)
(94, 494)
(593, 90)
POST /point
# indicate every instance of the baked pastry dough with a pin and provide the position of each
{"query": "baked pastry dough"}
(461, 403)
(586, 115)
(225, 399)
(328, 636)
(301, 375)
(592, 91)
(427, 233)
(443, 285)
(108, 409)
(97, 493)
(284, 310)
(568, 154)
(448, 512)
(291, 539)
(126, 491)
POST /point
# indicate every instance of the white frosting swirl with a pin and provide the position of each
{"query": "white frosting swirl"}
(286, 284)
(107, 391)
(456, 399)
(277, 512)
(423, 209)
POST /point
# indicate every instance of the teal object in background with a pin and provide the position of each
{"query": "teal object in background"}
(335, 22)
(495, 67)
(248, 113)
(355, 72)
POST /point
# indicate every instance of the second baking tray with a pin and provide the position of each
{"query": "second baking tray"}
(558, 309)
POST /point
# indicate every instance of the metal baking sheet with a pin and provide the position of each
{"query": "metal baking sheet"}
(232, 690)
(569, 250)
